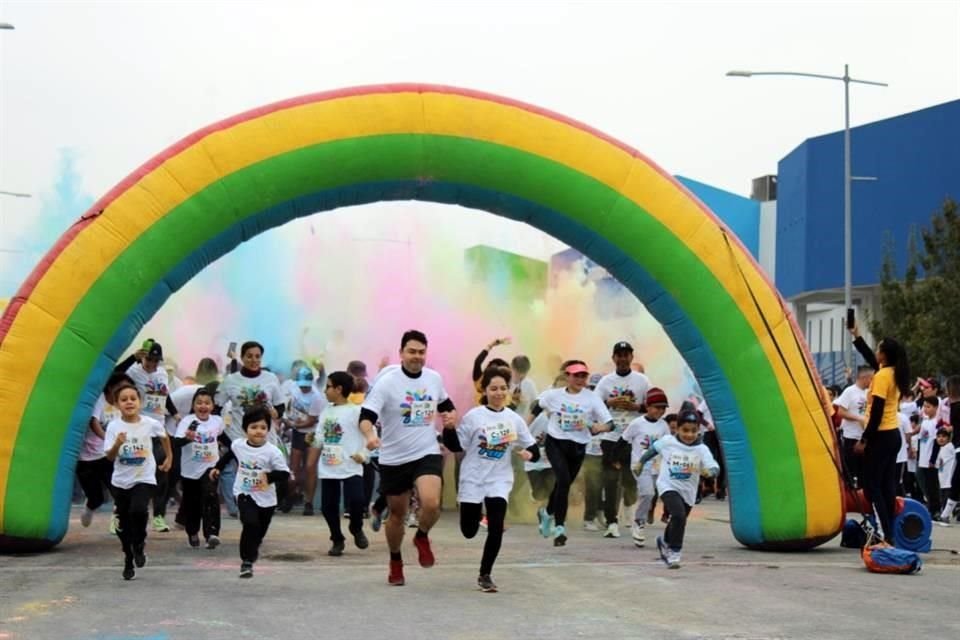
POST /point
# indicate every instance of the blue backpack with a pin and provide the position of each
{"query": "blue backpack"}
(880, 558)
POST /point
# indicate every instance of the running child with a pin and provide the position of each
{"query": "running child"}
(685, 459)
(640, 435)
(946, 461)
(128, 443)
(487, 434)
(340, 449)
(198, 436)
(260, 468)
(303, 410)
(94, 470)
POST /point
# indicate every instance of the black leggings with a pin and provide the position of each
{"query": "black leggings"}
(880, 476)
(852, 463)
(470, 514)
(352, 499)
(678, 510)
(93, 476)
(132, 505)
(566, 457)
(955, 481)
(931, 489)
(255, 520)
(201, 503)
(370, 471)
(612, 477)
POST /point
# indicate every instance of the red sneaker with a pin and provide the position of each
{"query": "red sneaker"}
(395, 577)
(423, 549)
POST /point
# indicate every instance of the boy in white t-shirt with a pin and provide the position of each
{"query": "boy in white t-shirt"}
(946, 460)
(94, 470)
(338, 452)
(927, 457)
(640, 435)
(851, 406)
(128, 443)
(261, 466)
(685, 459)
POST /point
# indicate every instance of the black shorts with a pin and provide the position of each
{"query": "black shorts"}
(298, 441)
(398, 479)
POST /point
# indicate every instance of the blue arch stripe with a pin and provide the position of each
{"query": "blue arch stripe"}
(744, 492)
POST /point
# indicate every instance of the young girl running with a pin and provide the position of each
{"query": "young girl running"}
(128, 443)
(685, 459)
(260, 467)
(198, 436)
(575, 415)
(487, 434)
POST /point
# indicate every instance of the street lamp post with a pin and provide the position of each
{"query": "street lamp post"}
(847, 178)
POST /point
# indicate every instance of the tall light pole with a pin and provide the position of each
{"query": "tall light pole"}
(847, 178)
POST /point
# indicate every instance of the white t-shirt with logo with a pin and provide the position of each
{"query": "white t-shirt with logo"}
(641, 434)
(538, 429)
(245, 393)
(338, 437)
(407, 408)
(926, 439)
(572, 415)
(134, 463)
(202, 451)
(854, 400)
(634, 385)
(154, 389)
(92, 447)
(487, 438)
(681, 465)
(302, 405)
(253, 464)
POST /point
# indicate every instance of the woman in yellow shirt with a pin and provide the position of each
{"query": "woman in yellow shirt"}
(881, 440)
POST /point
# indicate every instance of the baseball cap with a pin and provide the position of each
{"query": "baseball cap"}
(304, 377)
(576, 368)
(155, 352)
(622, 347)
(688, 416)
(656, 396)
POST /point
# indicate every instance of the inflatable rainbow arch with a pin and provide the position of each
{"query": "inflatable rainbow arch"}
(112, 270)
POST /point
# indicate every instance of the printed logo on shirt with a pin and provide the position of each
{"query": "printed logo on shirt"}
(682, 466)
(621, 418)
(252, 476)
(205, 448)
(418, 409)
(500, 433)
(332, 454)
(489, 450)
(134, 452)
(571, 417)
(252, 396)
(332, 431)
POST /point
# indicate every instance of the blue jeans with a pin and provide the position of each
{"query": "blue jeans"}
(227, 477)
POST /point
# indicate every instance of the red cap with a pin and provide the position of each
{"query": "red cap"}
(656, 396)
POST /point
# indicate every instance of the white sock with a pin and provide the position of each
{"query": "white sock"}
(947, 512)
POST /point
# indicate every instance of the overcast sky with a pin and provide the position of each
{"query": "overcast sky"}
(116, 82)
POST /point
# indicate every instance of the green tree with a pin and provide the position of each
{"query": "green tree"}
(923, 307)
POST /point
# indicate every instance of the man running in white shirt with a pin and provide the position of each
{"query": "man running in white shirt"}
(406, 401)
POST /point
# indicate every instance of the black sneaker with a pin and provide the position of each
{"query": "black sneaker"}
(246, 570)
(336, 549)
(128, 572)
(194, 541)
(139, 556)
(360, 539)
(308, 509)
(486, 584)
(285, 506)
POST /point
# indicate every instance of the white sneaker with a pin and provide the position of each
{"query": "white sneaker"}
(638, 534)
(673, 559)
(412, 522)
(613, 531)
(86, 517)
(590, 525)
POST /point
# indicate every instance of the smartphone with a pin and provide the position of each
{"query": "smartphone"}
(232, 350)
(851, 318)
